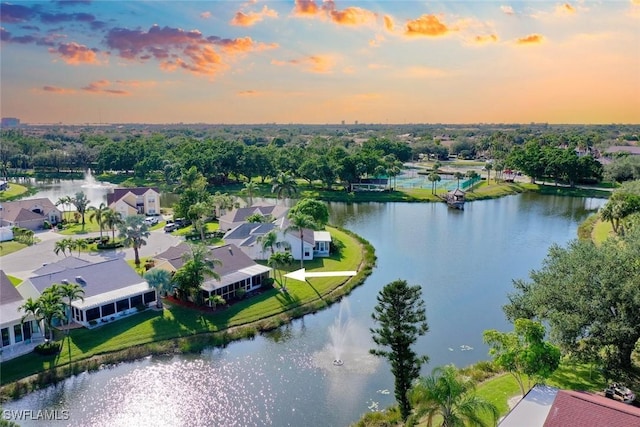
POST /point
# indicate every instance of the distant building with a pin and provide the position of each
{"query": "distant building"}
(10, 122)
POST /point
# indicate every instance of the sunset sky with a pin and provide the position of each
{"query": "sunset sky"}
(319, 62)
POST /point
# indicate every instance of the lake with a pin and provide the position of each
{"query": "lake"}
(465, 262)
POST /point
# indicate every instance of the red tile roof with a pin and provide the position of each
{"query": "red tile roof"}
(581, 409)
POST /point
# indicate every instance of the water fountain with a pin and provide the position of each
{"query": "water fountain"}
(90, 181)
(338, 332)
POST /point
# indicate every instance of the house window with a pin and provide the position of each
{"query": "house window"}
(306, 253)
(93, 314)
(26, 328)
(108, 309)
(122, 305)
(149, 297)
(136, 300)
(5, 337)
(17, 333)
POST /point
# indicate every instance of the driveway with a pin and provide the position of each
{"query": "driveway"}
(22, 263)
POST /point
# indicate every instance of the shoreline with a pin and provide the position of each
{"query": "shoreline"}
(194, 343)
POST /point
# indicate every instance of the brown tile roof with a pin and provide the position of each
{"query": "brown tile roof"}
(582, 409)
(20, 210)
(232, 258)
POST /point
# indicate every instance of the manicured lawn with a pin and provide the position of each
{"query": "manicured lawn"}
(12, 246)
(13, 192)
(177, 321)
(601, 231)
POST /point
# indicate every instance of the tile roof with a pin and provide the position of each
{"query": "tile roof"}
(20, 210)
(100, 277)
(582, 409)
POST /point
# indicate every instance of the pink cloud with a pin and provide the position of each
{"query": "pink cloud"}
(305, 8)
(57, 90)
(103, 87)
(75, 54)
(250, 18)
(321, 64)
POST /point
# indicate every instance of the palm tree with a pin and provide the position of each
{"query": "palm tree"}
(278, 261)
(448, 395)
(133, 231)
(65, 201)
(488, 166)
(268, 240)
(112, 219)
(72, 292)
(99, 214)
(31, 307)
(284, 184)
(62, 245)
(81, 244)
(458, 176)
(299, 221)
(199, 212)
(215, 300)
(472, 175)
(82, 204)
(433, 177)
(250, 188)
(51, 307)
(160, 280)
(197, 268)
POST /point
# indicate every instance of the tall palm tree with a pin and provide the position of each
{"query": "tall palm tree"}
(458, 176)
(112, 220)
(472, 175)
(284, 184)
(250, 189)
(198, 266)
(81, 203)
(278, 261)
(268, 241)
(433, 177)
(298, 222)
(160, 280)
(199, 213)
(81, 244)
(72, 292)
(51, 307)
(488, 166)
(99, 215)
(449, 395)
(66, 202)
(134, 231)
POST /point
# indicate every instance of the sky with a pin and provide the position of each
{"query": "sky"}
(320, 62)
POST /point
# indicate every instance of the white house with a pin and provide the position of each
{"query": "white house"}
(236, 217)
(112, 288)
(135, 201)
(18, 337)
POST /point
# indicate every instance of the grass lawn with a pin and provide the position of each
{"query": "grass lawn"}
(14, 191)
(12, 246)
(176, 321)
(601, 231)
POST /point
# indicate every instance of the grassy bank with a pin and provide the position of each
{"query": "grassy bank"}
(15, 191)
(179, 329)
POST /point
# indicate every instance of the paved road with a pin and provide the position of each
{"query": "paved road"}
(22, 263)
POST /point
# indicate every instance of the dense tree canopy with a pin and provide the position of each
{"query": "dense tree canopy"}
(589, 296)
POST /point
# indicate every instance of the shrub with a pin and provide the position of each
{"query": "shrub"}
(93, 322)
(268, 283)
(47, 348)
(111, 245)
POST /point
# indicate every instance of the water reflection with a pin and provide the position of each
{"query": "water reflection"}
(465, 263)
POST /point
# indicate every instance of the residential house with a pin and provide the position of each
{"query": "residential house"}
(18, 336)
(237, 271)
(29, 213)
(247, 237)
(545, 406)
(236, 217)
(112, 288)
(135, 201)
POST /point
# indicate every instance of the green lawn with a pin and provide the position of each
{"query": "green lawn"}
(176, 321)
(15, 191)
(12, 246)
(601, 231)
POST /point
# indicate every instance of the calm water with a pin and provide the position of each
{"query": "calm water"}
(464, 261)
